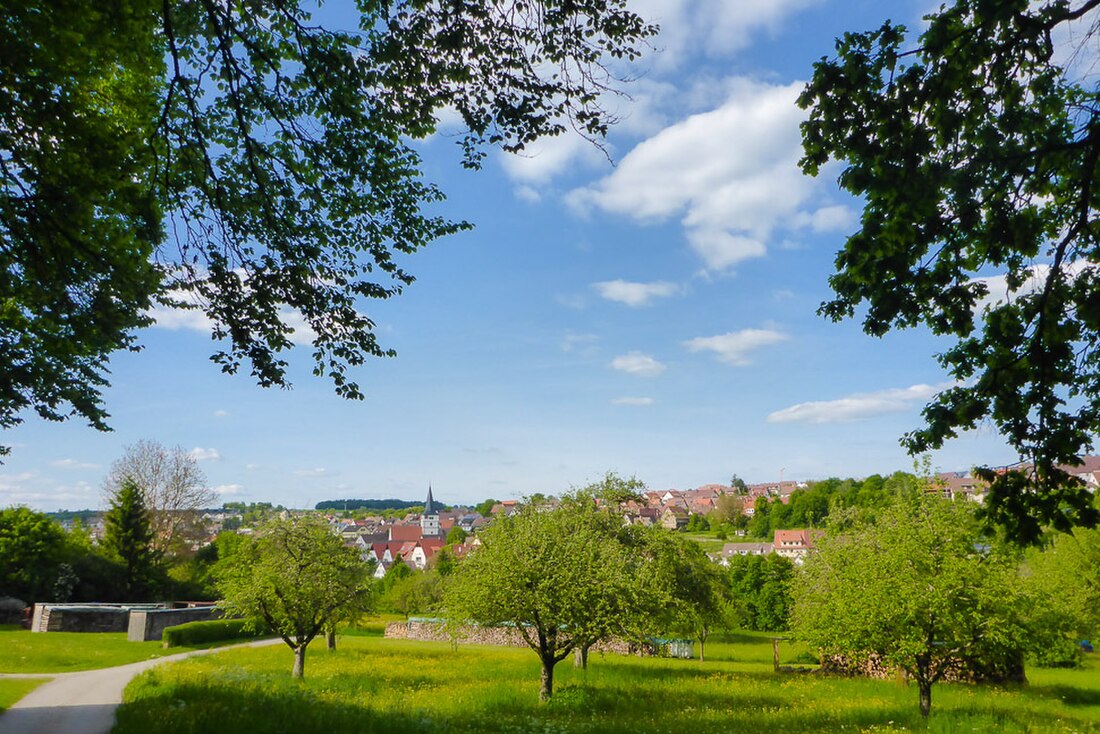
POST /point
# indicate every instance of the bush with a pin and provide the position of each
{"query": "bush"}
(216, 630)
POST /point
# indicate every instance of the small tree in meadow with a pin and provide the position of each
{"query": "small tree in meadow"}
(919, 588)
(560, 575)
(298, 577)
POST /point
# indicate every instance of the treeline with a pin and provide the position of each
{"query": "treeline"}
(388, 504)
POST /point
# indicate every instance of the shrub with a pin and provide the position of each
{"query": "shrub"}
(216, 630)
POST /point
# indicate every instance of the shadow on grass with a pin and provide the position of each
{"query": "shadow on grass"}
(1069, 695)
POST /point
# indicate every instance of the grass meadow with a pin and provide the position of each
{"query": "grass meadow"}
(13, 689)
(22, 651)
(376, 685)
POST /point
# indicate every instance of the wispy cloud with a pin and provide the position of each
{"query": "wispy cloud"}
(315, 473)
(632, 401)
(636, 363)
(200, 454)
(635, 294)
(735, 347)
(74, 464)
(858, 406)
(221, 413)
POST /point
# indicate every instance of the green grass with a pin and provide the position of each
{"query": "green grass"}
(377, 685)
(13, 689)
(62, 652)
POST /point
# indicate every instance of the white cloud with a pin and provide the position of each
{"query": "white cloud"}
(579, 342)
(200, 454)
(193, 319)
(634, 294)
(221, 413)
(229, 489)
(735, 347)
(998, 291)
(636, 363)
(827, 219)
(74, 464)
(632, 401)
(858, 406)
(731, 174)
(528, 194)
(720, 250)
(571, 300)
(542, 160)
(713, 27)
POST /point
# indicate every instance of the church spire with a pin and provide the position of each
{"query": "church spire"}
(429, 504)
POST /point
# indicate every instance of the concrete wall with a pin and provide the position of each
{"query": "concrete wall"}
(149, 624)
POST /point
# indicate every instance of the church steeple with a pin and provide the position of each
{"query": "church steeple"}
(429, 519)
(429, 504)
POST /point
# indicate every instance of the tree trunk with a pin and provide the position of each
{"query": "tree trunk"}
(580, 657)
(702, 648)
(925, 697)
(547, 688)
(299, 661)
(330, 638)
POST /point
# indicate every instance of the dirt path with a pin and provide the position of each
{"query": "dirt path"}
(84, 702)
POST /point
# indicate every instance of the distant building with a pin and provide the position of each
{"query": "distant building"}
(429, 519)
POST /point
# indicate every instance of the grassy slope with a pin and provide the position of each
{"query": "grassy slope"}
(374, 685)
(62, 652)
(13, 689)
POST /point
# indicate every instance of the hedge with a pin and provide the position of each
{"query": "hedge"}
(215, 630)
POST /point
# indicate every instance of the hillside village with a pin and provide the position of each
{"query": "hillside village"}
(417, 537)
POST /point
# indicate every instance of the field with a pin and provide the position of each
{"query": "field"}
(376, 685)
(63, 652)
(13, 689)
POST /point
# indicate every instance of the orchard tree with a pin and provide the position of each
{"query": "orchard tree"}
(296, 575)
(173, 489)
(691, 592)
(920, 589)
(560, 575)
(128, 538)
(974, 150)
(253, 163)
(32, 550)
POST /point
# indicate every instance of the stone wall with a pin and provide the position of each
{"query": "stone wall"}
(435, 630)
(48, 618)
(149, 624)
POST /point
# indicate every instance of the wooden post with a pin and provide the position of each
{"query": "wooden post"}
(775, 654)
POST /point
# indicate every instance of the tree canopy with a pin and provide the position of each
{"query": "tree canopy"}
(128, 538)
(32, 548)
(560, 575)
(974, 151)
(247, 161)
(297, 576)
(173, 490)
(918, 589)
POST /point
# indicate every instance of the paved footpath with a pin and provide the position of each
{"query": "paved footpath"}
(84, 702)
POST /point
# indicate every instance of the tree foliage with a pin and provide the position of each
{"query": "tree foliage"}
(561, 575)
(760, 587)
(920, 590)
(173, 489)
(278, 151)
(32, 549)
(975, 154)
(128, 538)
(297, 576)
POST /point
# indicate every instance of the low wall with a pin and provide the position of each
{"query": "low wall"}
(49, 618)
(435, 630)
(149, 624)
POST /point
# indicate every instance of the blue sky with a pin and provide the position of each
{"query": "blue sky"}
(654, 317)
